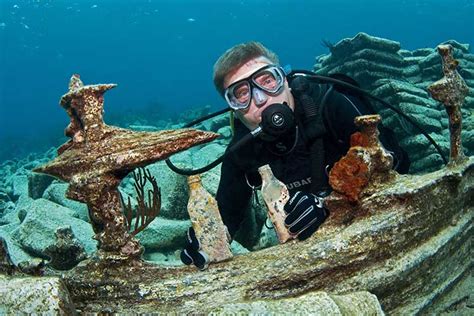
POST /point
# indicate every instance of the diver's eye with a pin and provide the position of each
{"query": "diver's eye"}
(266, 80)
(242, 93)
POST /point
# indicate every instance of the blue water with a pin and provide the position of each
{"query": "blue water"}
(162, 52)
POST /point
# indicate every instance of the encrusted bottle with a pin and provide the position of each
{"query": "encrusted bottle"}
(207, 223)
(275, 194)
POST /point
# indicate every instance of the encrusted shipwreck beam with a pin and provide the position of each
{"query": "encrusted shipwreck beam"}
(409, 244)
(98, 157)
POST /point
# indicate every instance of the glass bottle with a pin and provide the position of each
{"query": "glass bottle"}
(207, 222)
(275, 194)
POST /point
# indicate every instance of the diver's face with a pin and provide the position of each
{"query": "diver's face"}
(252, 115)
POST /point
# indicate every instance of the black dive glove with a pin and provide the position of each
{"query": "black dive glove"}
(192, 254)
(305, 213)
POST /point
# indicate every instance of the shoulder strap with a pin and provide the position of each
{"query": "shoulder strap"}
(314, 130)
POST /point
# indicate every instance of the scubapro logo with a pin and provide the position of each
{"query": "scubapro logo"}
(278, 119)
(299, 183)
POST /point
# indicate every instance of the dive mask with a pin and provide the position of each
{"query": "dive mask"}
(269, 80)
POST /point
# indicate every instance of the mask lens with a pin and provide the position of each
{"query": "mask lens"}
(238, 96)
(241, 92)
(266, 80)
(269, 79)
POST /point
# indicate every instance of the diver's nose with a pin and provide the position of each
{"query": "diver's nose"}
(259, 96)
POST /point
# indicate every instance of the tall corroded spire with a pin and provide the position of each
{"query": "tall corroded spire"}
(98, 157)
(451, 90)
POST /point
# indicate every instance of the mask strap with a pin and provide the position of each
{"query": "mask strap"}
(232, 122)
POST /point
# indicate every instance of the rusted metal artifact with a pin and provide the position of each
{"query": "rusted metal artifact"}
(98, 157)
(366, 161)
(451, 90)
(365, 167)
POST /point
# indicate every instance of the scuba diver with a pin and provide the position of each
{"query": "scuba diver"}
(309, 128)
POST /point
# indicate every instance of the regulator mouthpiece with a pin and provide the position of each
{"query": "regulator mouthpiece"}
(277, 120)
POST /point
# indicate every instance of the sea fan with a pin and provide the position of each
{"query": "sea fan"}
(148, 206)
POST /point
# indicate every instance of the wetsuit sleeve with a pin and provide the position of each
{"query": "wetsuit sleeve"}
(233, 195)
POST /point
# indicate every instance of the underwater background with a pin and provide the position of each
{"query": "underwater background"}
(161, 53)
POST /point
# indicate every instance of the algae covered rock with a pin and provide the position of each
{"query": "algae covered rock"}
(164, 233)
(37, 184)
(318, 303)
(18, 256)
(19, 185)
(34, 295)
(207, 154)
(38, 229)
(67, 252)
(56, 193)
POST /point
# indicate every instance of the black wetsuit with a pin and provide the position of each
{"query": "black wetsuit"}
(289, 156)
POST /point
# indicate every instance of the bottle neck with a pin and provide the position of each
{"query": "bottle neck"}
(266, 173)
(194, 181)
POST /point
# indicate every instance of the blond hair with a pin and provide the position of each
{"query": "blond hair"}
(235, 57)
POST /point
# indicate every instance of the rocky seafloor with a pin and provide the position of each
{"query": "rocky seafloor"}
(35, 215)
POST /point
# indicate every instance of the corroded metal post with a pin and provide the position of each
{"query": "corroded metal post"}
(364, 169)
(98, 157)
(369, 133)
(365, 161)
(451, 91)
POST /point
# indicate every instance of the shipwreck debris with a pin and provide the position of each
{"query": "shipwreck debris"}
(98, 157)
(451, 90)
(365, 168)
(408, 252)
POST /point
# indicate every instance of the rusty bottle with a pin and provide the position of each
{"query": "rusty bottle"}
(275, 194)
(207, 223)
